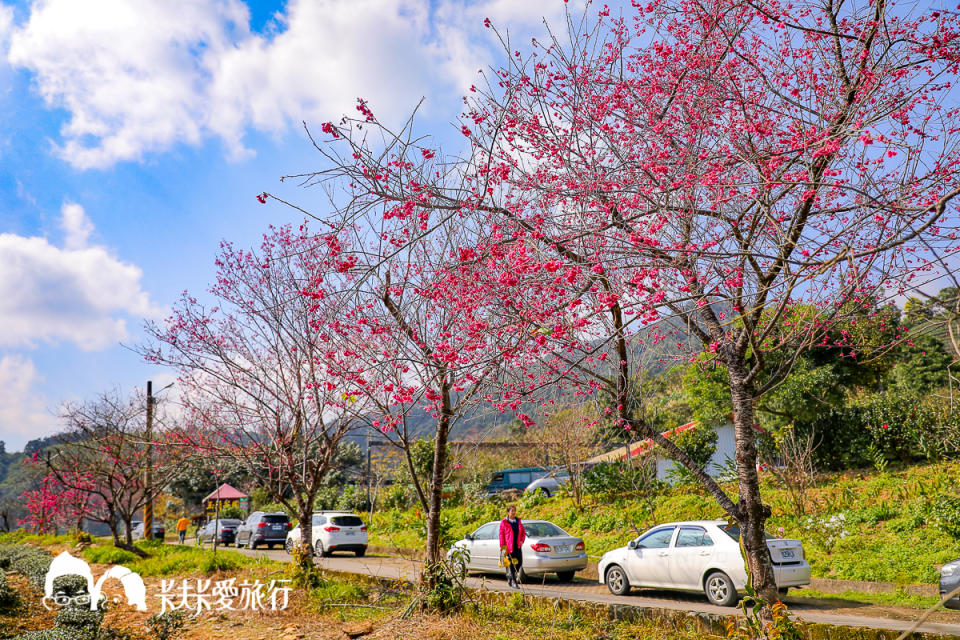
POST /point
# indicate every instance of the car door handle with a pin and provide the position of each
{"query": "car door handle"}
(663, 554)
(704, 553)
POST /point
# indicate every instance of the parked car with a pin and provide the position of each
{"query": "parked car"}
(518, 479)
(263, 528)
(158, 530)
(225, 531)
(547, 549)
(700, 555)
(333, 531)
(549, 484)
(949, 581)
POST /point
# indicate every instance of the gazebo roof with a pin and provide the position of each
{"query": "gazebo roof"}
(226, 492)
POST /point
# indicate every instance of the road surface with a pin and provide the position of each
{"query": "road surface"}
(816, 611)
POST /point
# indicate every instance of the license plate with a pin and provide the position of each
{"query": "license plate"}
(562, 548)
(787, 553)
(348, 533)
(277, 527)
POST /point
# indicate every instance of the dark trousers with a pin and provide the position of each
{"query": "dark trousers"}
(183, 535)
(513, 568)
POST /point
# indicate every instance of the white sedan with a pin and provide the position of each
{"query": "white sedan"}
(547, 549)
(700, 555)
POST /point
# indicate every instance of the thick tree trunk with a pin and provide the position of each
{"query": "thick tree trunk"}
(752, 513)
(305, 517)
(128, 532)
(435, 495)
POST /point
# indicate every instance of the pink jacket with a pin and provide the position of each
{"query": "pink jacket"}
(506, 534)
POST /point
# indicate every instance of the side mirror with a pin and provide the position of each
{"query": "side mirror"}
(469, 536)
(632, 544)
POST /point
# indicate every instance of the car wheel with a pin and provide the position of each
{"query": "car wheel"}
(318, 547)
(523, 577)
(236, 542)
(546, 492)
(288, 546)
(719, 589)
(269, 545)
(565, 576)
(617, 581)
(251, 543)
(361, 552)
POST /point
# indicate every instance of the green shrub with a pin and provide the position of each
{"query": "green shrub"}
(353, 499)
(444, 531)
(945, 515)
(221, 562)
(396, 497)
(611, 479)
(8, 596)
(232, 512)
(875, 514)
(109, 555)
(699, 443)
(27, 560)
(167, 625)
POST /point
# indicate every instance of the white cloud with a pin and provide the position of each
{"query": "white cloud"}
(77, 293)
(6, 23)
(23, 411)
(76, 225)
(140, 76)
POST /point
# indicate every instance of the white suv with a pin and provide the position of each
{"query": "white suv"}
(333, 531)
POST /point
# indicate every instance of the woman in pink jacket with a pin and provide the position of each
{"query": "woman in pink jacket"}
(512, 536)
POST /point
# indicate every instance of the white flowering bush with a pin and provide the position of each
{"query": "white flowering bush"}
(825, 532)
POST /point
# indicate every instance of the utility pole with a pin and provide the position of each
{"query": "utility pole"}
(367, 474)
(148, 480)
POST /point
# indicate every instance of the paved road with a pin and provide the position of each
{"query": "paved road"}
(825, 612)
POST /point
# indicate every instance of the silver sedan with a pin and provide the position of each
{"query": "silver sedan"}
(547, 549)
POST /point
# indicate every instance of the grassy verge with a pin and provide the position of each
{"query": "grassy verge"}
(168, 559)
(898, 598)
(162, 560)
(857, 526)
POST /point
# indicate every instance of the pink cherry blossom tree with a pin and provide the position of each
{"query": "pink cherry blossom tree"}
(96, 470)
(420, 334)
(258, 366)
(748, 175)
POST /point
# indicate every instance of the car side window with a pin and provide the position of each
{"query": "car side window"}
(693, 537)
(318, 520)
(520, 478)
(657, 539)
(486, 532)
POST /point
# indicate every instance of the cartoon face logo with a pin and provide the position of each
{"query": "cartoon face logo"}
(67, 565)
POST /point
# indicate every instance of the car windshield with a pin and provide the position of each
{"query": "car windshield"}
(346, 521)
(543, 530)
(733, 531)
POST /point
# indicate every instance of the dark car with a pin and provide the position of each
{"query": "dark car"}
(263, 528)
(225, 531)
(950, 582)
(159, 531)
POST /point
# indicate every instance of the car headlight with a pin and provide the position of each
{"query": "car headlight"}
(950, 569)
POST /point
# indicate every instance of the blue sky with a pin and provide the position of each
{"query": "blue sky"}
(136, 134)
